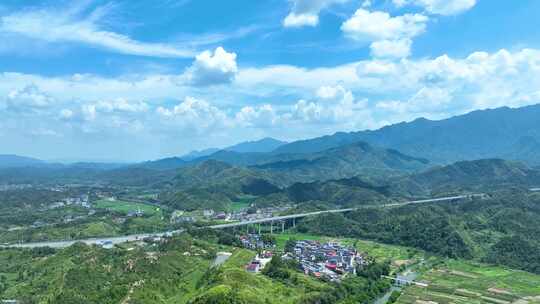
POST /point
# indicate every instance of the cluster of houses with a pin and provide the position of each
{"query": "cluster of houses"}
(82, 200)
(255, 242)
(242, 215)
(246, 215)
(326, 260)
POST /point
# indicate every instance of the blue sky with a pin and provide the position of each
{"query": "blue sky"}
(134, 80)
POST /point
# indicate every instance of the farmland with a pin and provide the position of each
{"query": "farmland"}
(126, 207)
(463, 282)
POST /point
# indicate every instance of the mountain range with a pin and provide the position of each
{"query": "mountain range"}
(264, 145)
(498, 133)
(507, 133)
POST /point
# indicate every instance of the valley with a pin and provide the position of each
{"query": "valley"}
(343, 223)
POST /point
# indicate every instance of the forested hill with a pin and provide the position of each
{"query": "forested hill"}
(478, 175)
(499, 133)
(344, 162)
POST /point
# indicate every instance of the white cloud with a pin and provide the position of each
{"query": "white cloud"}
(262, 116)
(306, 12)
(428, 100)
(294, 20)
(336, 106)
(327, 92)
(389, 36)
(60, 25)
(391, 48)
(377, 25)
(269, 101)
(89, 112)
(196, 114)
(440, 7)
(213, 68)
(296, 78)
(27, 98)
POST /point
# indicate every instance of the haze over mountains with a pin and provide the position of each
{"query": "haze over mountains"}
(9, 161)
(506, 133)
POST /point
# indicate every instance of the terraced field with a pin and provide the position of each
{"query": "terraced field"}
(460, 282)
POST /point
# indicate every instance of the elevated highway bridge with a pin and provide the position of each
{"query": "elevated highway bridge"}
(275, 219)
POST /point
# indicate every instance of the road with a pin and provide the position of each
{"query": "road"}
(135, 237)
(93, 241)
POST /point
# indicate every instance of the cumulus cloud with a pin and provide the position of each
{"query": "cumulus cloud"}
(317, 101)
(213, 68)
(193, 113)
(440, 7)
(306, 12)
(61, 25)
(262, 116)
(389, 36)
(27, 98)
(89, 110)
(334, 105)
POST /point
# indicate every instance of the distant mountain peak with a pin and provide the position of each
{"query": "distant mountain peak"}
(263, 145)
(490, 133)
(14, 161)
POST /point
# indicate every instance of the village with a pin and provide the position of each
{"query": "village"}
(325, 260)
(244, 214)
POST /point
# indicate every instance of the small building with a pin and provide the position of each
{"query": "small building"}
(221, 216)
(185, 219)
(208, 213)
(253, 267)
(135, 213)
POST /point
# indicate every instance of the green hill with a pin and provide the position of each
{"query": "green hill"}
(479, 175)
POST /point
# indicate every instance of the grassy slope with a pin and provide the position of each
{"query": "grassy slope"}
(256, 288)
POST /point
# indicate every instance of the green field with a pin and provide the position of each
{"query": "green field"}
(126, 207)
(462, 282)
(242, 202)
